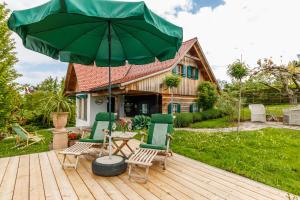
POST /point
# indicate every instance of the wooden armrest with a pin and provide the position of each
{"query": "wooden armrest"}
(143, 135)
(170, 136)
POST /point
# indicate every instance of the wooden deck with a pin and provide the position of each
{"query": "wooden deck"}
(40, 176)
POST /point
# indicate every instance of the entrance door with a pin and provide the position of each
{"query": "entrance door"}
(113, 100)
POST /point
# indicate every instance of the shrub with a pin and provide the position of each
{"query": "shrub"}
(207, 95)
(197, 117)
(227, 104)
(212, 114)
(183, 119)
(141, 122)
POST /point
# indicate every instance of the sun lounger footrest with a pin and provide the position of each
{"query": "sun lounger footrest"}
(76, 150)
(141, 157)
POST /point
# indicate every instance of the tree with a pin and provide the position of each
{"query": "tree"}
(172, 81)
(207, 95)
(8, 91)
(49, 85)
(283, 78)
(237, 71)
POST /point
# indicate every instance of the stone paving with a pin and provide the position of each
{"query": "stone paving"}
(245, 126)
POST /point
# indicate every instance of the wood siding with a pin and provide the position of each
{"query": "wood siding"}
(155, 84)
(184, 101)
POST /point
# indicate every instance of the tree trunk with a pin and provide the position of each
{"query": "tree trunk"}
(239, 110)
(172, 98)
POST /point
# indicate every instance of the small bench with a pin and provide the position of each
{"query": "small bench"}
(142, 157)
(78, 149)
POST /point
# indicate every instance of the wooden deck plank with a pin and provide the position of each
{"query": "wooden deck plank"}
(50, 185)
(236, 189)
(159, 175)
(196, 178)
(36, 188)
(22, 182)
(66, 190)
(138, 188)
(96, 190)
(125, 189)
(3, 167)
(9, 179)
(109, 188)
(82, 190)
(246, 183)
(201, 190)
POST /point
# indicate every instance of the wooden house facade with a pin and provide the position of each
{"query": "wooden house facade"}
(139, 89)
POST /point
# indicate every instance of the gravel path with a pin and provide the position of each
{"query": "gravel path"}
(245, 126)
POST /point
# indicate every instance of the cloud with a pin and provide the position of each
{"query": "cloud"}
(253, 28)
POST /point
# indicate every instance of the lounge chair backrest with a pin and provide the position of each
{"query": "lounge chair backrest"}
(101, 122)
(161, 125)
(257, 108)
(20, 131)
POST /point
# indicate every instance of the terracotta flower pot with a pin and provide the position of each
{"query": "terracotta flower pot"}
(60, 120)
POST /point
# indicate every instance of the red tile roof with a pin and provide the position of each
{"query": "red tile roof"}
(91, 77)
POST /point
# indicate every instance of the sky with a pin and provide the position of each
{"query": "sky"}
(226, 29)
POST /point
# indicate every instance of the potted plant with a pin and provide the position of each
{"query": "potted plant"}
(73, 138)
(57, 107)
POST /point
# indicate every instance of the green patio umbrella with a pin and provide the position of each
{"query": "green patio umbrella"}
(105, 33)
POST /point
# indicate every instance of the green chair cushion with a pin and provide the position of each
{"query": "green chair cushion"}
(17, 128)
(90, 140)
(152, 146)
(104, 117)
(97, 130)
(159, 136)
(162, 119)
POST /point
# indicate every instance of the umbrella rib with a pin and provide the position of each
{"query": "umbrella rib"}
(120, 42)
(100, 44)
(140, 41)
(148, 32)
(70, 25)
(69, 43)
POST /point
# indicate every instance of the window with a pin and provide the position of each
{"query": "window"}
(194, 107)
(193, 72)
(145, 108)
(176, 108)
(82, 108)
(180, 70)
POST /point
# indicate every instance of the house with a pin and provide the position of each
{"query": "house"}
(139, 89)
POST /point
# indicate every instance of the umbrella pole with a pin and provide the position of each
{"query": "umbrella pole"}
(109, 88)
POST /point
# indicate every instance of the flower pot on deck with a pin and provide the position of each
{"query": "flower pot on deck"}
(60, 120)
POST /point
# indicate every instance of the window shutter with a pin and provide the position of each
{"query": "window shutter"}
(191, 108)
(189, 71)
(183, 71)
(169, 108)
(197, 74)
(178, 108)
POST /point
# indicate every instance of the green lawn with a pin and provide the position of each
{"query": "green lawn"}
(270, 156)
(214, 123)
(6, 146)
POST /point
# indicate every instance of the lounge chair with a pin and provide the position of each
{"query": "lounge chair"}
(159, 136)
(258, 112)
(291, 116)
(97, 137)
(24, 138)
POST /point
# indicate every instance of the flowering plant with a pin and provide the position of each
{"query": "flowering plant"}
(125, 124)
(74, 136)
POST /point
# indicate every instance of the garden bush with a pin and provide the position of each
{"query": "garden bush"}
(207, 95)
(212, 114)
(183, 119)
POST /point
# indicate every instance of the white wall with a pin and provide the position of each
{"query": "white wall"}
(92, 110)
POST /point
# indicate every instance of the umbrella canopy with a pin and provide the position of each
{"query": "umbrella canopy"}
(77, 31)
(107, 33)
